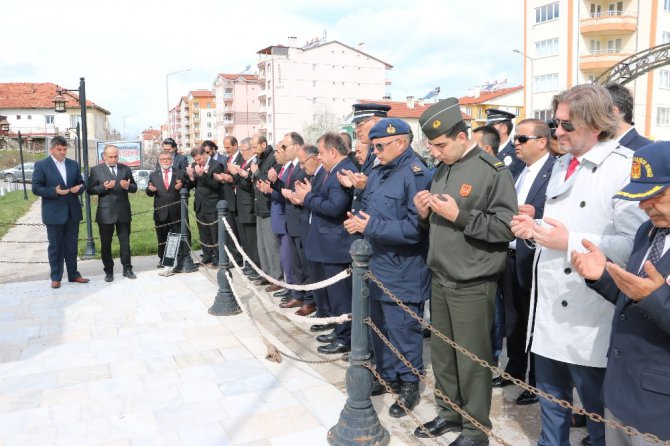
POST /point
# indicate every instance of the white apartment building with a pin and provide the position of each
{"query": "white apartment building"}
(177, 119)
(569, 42)
(236, 106)
(320, 81)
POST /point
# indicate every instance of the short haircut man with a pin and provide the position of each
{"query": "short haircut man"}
(623, 108)
(489, 138)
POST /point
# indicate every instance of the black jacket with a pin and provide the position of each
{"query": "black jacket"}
(113, 204)
(262, 201)
(207, 188)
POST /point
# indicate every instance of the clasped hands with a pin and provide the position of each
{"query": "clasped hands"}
(347, 178)
(442, 204)
(73, 189)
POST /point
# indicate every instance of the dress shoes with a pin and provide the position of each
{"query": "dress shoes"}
(306, 309)
(254, 277)
(321, 327)
(282, 293)
(409, 396)
(292, 303)
(326, 338)
(586, 441)
(129, 274)
(109, 277)
(578, 420)
(261, 282)
(499, 382)
(379, 389)
(467, 441)
(436, 427)
(333, 348)
(55, 284)
(272, 288)
(526, 398)
(79, 280)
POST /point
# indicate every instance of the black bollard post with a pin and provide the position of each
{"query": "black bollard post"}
(358, 423)
(224, 302)
(184, 260)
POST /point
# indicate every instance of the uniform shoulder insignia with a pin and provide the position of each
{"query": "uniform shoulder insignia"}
(416, 169)
(492, 161)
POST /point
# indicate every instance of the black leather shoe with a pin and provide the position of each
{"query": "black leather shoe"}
(326, 338)
(526, 398)
(334, 347)
(282, 293)
(499, 382)
(109, 277)
(409, 396)
(379, 389)
(586, 441)
(436, 427)
(129, 274)
(321, 327)
(467, 441)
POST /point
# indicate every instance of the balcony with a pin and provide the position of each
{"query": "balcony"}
(601, 60)
(228, 121)
(608, 23)
(263, 93)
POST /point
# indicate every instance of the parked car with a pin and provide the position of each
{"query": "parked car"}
(141, 177)
(13, 174)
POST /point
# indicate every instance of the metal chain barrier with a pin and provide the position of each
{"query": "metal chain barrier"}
(438, 392)
(294, 317)
(308, 287)
(274, 353)
(631, 431)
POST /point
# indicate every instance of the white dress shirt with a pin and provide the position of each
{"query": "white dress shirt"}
(60, 165)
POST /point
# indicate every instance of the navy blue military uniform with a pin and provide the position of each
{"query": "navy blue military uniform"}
(398, 261)
(506, 154)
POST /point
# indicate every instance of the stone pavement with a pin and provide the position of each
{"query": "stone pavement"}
(140, 362)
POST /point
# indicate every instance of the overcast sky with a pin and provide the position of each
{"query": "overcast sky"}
(124, 48)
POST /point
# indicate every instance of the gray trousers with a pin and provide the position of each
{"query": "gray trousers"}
(268, 248)
(617, 437)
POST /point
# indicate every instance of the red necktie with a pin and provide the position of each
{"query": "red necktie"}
(166, 180)
(574, 162)
(244, 164)
(281, 171)
(290, 172)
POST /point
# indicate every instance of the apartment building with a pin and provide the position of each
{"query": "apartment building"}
(569, 42)
(176, 125)
(317, 82)
(236, 98)
(201, 123)
(497, 96)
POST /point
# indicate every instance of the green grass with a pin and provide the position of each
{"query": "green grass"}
(10, 158)
(142, 233)
(13, 207)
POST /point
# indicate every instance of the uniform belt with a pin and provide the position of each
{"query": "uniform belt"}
(511, 252)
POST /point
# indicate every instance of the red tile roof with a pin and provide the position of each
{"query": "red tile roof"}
(487, 95)
(202, 93)
(402, 111)
(232, 77)
(37, 95)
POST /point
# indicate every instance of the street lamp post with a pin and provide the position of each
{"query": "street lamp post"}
(529, 91)
(59, 107)
(167, 88)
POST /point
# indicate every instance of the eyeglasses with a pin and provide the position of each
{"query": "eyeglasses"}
(302, 163)
(523, 139)
(380, 146)
(567, 125)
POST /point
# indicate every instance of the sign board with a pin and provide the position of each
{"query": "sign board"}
(171, 249)
(130, 152)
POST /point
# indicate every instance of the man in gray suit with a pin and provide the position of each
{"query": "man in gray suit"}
(112, 182)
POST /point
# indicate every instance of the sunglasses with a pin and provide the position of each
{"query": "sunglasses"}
(380, 146)
(523, 139)
(284, 146)
(567, 125)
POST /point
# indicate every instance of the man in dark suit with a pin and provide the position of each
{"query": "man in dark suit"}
(112, 182)
(232, 157)
(164, 185)
(179, 161)
(58, 181)
(636, 388)
(532, 148)
(328, 242)
(501, 120)
(623, 109)
(245, 218)
(207, 193)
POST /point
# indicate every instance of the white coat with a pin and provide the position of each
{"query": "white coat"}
(571, 322)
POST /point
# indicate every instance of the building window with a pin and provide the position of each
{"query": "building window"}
(29, 117)
(48, 119)
(665, 79)
(666, 36)
(313, 66)
(614, 46)
(313, 83)
(74, 119)
(547, 12)
(546, 82)
(544, 115)
(209, 135)
(663, 117)
(18, 117)
(209, 114)
(546, 48)
(666, 5)
(209, 105)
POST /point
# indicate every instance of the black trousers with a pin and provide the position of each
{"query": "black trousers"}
(338, 297)
(63, 247)
(209, 235)
(298, 261)
(123, 234)
(247, 233)
(237, 257)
